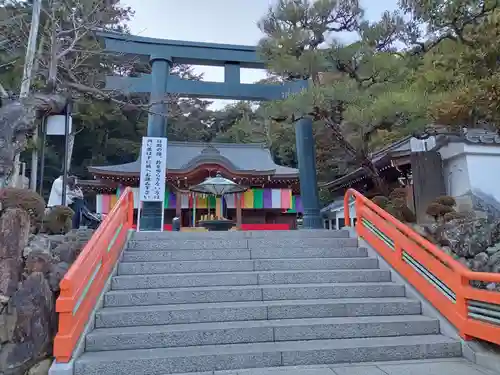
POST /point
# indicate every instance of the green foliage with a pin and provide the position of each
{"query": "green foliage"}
(443, 209)
(460, 70)
(430, 61)
(356, 90)
(396, 205)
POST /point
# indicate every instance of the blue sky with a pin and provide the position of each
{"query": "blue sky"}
(217, 21)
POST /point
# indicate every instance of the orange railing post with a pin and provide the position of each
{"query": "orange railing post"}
(130, 206)
(347, 210)
(84, 282)
(442, 280)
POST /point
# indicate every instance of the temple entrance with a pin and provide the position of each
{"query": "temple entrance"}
(273, 190)
(162, 54)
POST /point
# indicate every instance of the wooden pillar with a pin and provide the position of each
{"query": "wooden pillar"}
(239, 219)
(178, 205)
(218, 211)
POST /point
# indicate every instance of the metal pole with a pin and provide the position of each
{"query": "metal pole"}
(42, 153)
(66, 150)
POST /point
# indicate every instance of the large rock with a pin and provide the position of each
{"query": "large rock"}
(67, 251)
(14, 235)
(32, 313)
(42, 243)
(41, 368)
(470, 237)
(473, 241)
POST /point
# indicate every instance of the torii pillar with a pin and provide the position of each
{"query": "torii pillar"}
(157, 127)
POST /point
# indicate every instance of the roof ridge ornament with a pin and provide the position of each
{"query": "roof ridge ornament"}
(210, 150)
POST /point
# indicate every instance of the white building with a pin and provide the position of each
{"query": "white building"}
(470, 169)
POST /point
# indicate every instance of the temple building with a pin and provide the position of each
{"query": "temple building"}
(271, 202)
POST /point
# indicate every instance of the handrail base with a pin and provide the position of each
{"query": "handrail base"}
(474, 350)
(67, 368)
(481, 354)
(62, 368)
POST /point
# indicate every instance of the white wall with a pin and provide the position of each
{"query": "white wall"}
(471, 167)
(335, 215)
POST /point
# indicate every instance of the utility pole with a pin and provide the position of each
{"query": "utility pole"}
(26, 85)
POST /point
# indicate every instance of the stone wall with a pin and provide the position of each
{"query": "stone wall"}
(31, 267)
(484, 205)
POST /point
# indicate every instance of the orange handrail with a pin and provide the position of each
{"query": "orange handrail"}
(85, 280)
(442, 280)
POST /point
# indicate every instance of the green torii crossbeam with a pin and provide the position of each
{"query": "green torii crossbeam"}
(162, 54)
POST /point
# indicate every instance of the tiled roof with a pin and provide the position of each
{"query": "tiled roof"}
(184, 156)
(481, 136)
(402, 147)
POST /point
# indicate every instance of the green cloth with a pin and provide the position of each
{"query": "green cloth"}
(212, 201)
(167, 194)
(258, 198)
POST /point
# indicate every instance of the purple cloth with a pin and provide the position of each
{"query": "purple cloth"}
(268, 198)
(172, 200)
(298, 204)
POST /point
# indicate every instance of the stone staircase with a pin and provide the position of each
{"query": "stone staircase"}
(195, 302)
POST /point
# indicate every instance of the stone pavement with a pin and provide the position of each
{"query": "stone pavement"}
(421, 367)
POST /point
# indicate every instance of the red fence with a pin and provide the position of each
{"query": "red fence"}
(442, 280)
(85, 280)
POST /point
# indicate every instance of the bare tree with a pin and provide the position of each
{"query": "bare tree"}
(69, 63)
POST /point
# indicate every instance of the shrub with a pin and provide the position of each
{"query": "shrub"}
(396, 205)
(380, 201)
(27, 200)
(58, 220)
(446, 200)
(398, 193)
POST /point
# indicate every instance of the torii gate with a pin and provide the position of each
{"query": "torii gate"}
(163, 53)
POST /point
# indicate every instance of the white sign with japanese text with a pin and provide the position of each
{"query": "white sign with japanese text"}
(153, 169)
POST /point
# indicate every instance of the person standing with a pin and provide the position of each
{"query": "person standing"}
(56, 191)
(74, 198)
(77, 203)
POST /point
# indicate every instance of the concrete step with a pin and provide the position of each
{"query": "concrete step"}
(300, 242)
(241, 332)
(259, 355)
(247, 278)
(169, 255)
(229, 254)
(304, 233)
(110, 317)
(144, 297)
(240, 265)
(297, 252)
(315, 264)
(145, 268)
(187, 244)
(236, 243)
